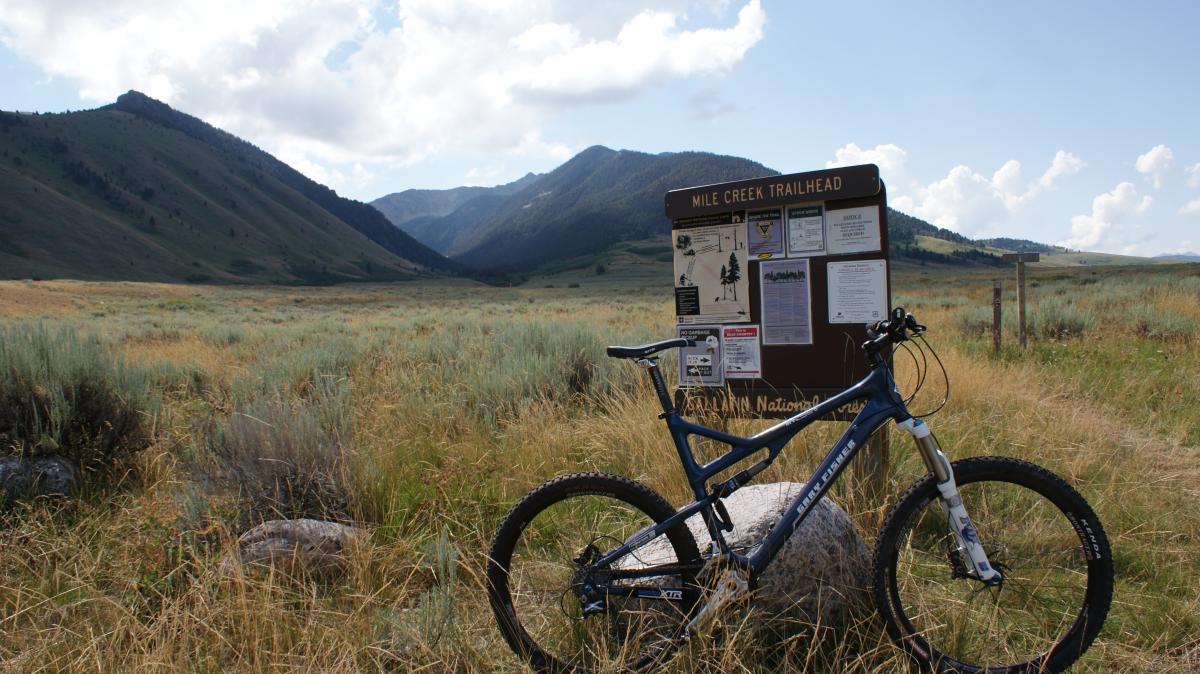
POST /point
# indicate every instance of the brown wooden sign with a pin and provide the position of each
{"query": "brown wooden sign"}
(831, 184)
(1022, 257)
(777, 286)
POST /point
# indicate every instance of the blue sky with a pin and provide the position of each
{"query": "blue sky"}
(1066, 122)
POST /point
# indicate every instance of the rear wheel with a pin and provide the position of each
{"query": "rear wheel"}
(1036, 530)
(564, 613)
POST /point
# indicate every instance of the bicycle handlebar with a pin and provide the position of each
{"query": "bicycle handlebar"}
(899, 327)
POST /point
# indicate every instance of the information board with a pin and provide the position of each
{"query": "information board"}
(776, 278)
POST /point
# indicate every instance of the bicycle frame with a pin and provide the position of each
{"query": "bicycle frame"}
(883, 402)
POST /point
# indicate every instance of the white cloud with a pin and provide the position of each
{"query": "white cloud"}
(1193, 172)
(891, 159)
(964, 201)
(1112, 218)
(1191, 208)
(532, 145)
(649, 47)
(1155, 164)
(1063, 164)
(374, 82)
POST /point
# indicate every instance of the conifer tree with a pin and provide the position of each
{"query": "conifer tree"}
(734, 275)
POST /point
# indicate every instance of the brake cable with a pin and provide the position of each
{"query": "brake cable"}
(945, 378)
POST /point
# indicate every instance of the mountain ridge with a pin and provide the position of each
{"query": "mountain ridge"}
(136, 190)
(602, 197)
(362, 217)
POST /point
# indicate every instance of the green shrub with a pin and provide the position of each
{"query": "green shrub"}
(288, 459)
(1148, 321)
(975, 321)
(1056, 318)
(494, 368)
(66, 395)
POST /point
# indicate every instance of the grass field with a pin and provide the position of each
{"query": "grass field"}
(424, 411)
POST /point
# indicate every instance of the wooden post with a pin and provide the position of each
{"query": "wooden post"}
(1021, 301)
(1021, 259)
(996, 315)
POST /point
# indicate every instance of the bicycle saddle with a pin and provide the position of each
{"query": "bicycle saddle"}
(648, 349)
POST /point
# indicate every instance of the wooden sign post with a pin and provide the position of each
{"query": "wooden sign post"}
(996, 316)
(776, 279)
(1021, 259)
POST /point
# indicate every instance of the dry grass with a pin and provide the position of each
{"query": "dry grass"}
(460, 399)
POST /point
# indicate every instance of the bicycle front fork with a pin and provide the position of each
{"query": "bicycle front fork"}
(960, 523)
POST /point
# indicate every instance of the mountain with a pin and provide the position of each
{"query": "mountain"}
(139, 191)
(602, 197)
(402, 207)
(595, 199)
(1179, 257)
(423, 214)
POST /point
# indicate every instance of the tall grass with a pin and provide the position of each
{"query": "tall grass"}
(292, 458)
(424, 412)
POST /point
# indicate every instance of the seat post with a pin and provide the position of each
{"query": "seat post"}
(660, 386)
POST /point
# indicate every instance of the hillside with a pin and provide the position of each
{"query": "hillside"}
(139, 191)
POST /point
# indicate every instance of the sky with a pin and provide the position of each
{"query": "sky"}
(1073, 123)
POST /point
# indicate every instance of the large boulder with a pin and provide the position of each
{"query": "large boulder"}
(297, 547)
(819, 577)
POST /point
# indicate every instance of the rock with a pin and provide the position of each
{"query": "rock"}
(14, 478)
(303, 546)
(819, 576)
(821, 573)
(52, 476)
(25, 478)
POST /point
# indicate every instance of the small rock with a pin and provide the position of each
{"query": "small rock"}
(25, 478)
(52, 476)
(14, 478)
(301, 546)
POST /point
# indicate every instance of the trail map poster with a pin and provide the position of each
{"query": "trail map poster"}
(700, 365)
(740, 352)
(710, 274)
(764, 231)
(786, 302)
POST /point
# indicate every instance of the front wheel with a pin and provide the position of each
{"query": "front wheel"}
(557, 602)
(1036, 530)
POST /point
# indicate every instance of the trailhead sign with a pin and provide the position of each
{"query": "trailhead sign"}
(776, 279)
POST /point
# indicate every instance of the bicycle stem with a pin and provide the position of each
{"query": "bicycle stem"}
(960, 523)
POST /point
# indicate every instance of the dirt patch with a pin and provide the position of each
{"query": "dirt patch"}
(19, 298)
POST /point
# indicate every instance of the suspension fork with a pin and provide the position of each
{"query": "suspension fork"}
(960, 523)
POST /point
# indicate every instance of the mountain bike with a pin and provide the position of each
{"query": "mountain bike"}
(985, 564)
